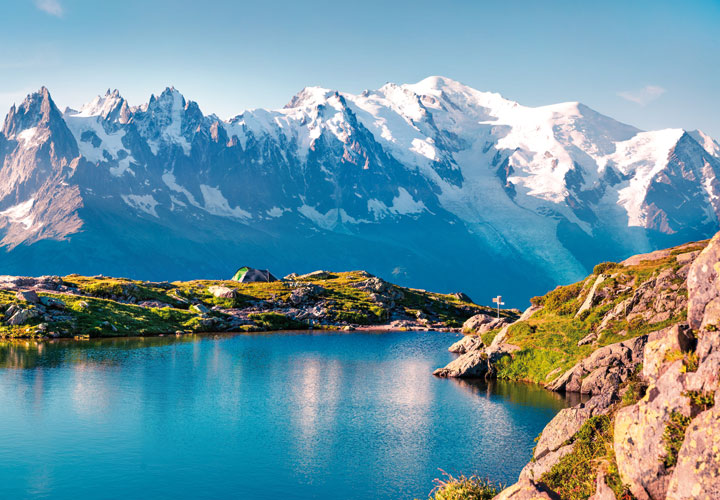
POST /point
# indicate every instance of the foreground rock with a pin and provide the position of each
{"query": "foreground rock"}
(664, 427)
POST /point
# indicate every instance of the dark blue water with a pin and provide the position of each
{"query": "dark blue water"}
(281, 416)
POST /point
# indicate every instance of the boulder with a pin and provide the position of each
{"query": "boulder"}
(222, 292)
(153, 303)
(471, 364)
(697, 473)
(527, 490)
(539, 466)
(29, 296)
(568, 421)
(52, 303)
(638, 434)
(702, 282)
(466, 344)
(659, 344)
(316, 275)
(591, 297)
(199, 309)
(602, 490)
(462, 297)
(304, 293)
(22, 316)
(605, 369)
(481, 323)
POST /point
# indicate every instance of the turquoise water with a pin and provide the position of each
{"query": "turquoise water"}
(280, 416)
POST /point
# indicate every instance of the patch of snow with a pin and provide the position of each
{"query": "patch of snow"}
(169, 180)
(145, 203)
(405, 204)
(20, 213)
(642, 157)
(275, 212)
(216, 204)
(329, 220)
(89, 120)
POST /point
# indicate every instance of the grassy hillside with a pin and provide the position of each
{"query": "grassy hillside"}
(101, 306)
(631, 299)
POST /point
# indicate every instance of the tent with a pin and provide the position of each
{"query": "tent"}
(249, 275)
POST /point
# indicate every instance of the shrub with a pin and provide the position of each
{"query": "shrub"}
(558, 299)
(463, 488)
(573, 477)
(701, 401)
(673, 437)
(604, 267)
(275, 321)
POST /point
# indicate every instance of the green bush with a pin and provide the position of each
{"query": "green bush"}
(573, 477)
(274, 321)
(463, 488)
(673, 437)
(603, 267)
(559, 299)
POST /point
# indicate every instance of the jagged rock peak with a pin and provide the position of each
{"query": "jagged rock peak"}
(38, 109)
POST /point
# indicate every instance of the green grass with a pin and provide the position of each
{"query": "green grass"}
(548, 340)
(463, 488)
(274, 321)
(673, 437)
(573, 476)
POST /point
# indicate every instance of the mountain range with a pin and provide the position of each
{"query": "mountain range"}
(433, 185)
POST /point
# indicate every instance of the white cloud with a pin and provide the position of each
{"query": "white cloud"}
(51, 7)
(643, 96)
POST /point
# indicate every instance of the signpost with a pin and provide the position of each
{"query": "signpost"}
(499, 302)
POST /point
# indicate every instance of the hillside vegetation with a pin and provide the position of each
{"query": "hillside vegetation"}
(618, 302)
(99, 306)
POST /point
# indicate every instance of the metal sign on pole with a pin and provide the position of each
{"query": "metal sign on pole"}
(499, 302)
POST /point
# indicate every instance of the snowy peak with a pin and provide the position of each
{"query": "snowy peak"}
(37, 110)
(111, 107)
(168, 120)
(708, 143)
(309, 97)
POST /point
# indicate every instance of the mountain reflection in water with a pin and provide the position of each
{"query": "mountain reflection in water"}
(285, 415)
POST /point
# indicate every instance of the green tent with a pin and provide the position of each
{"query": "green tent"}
(249, 275)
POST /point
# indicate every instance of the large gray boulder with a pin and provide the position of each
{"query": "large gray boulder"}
(222, 292)
(474, 364)
(466, 344)
(638, 434)
(697, 473)
(604, 369)
(527, 490)
(22, 316)
(29, 296)
(481, 323)
(703, 284)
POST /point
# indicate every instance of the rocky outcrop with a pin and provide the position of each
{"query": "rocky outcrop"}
(697, 473)
(666, 444)
(466, 344)
(527, 490)
(473, 364)
(482, 323)
(222, 292)
(605, 369)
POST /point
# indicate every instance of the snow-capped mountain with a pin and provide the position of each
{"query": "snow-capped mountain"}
(433, 184)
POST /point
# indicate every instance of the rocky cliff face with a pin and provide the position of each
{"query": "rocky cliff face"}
(650, 429)
(436, 174)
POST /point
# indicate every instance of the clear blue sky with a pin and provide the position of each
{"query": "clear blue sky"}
(652, 64)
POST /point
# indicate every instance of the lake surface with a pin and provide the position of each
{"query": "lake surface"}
(276, 416)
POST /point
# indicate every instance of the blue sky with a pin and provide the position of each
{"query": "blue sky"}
(653, 64)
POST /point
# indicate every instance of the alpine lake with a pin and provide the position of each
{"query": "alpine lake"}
(290, 415)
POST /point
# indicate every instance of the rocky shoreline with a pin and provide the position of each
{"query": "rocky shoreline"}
(81, 307)
(650, 429)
